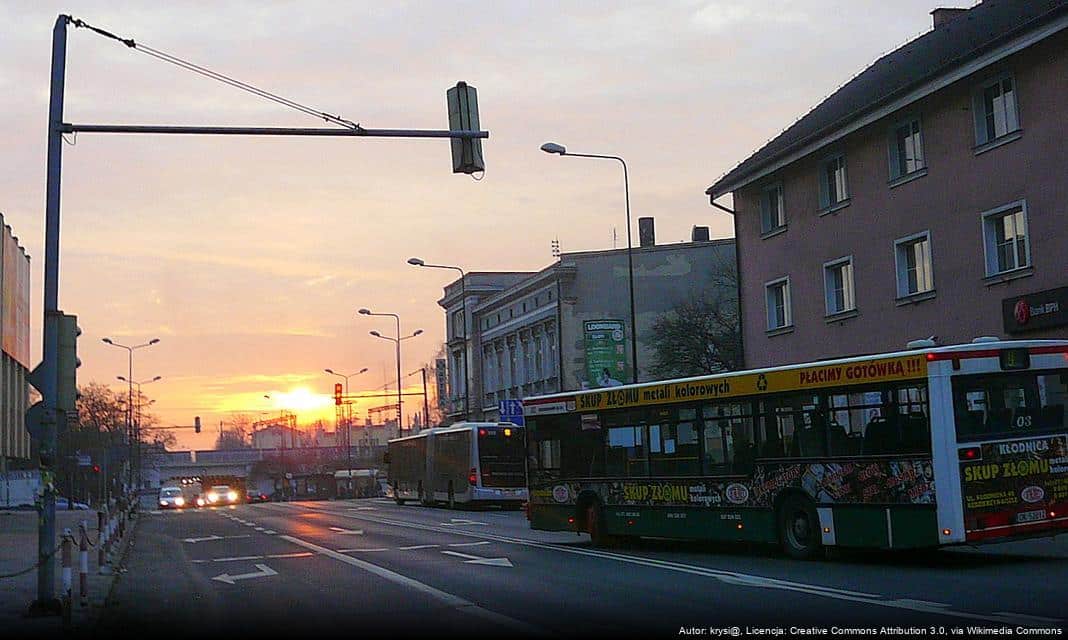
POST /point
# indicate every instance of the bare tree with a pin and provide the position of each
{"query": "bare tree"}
(702, 334)
(236, 432)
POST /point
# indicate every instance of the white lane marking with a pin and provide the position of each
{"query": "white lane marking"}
(260, 529)
(250, 524)
(264, 572)
(299, 554)
(361, 550)
(347, 532)
(459, 522)
(361, 509)
(470, 544)
(418, 546)
(494, 562)
(270, 532)
(212, 537)
(728, 577)
(445, 598)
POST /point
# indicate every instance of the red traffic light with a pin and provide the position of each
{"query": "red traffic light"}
(96, 468)
(337, 393)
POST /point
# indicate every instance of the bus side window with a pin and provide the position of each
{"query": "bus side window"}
(627, 454)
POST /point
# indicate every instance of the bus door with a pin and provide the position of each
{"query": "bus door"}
(1013, 451)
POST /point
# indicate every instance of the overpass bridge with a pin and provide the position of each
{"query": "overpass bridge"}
(241, 463)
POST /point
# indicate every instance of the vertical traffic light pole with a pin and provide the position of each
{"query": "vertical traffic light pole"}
(46, 602)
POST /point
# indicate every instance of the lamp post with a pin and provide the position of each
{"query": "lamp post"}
(397, 340)
(129, 397)
(419, 262)
(348, 425)
(426, 403)
(559, 149)
(137, 423)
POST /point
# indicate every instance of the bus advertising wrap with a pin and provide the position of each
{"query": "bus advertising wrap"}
(875, 481)
(1015, 482)
(727, 386)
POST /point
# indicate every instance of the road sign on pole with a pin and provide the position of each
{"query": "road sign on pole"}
(511, 411)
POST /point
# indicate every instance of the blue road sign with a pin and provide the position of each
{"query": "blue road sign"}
(511, 411)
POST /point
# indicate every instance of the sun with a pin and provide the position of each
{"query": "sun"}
(301, 399)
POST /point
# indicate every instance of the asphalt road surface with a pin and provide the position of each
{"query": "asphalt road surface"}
(370, 568)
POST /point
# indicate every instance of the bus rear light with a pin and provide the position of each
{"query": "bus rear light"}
(946, 532)
(1053, 514)
(571, 520)
(739, 526)
(970, 453)
(630, 522)
(826, 529)
(507, 433)
(481, 432)
(472, 476)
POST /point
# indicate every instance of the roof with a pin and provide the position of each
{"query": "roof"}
(933, 54)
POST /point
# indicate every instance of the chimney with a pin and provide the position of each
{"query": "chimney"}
(699, 234)
(945, 15)
(646, 234)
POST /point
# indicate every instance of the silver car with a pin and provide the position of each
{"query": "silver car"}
(171, 498)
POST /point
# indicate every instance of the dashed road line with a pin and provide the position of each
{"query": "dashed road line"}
(418, 546)
(470, 544)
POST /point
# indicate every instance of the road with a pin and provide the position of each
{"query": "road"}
(373, 567)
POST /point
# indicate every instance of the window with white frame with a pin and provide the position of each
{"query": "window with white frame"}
(906, 149)
(772, 213)
(995, 110)
(914, 270)
(1005, 239)
(777, 299)
(833, 188)
(838, 285)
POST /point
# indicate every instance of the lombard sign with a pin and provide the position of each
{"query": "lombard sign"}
(606, 360)
(1035, 311)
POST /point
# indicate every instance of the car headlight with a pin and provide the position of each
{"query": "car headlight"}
(163, 503)
(232, 496)
(200, 502)
(213, 497)
(180, 501)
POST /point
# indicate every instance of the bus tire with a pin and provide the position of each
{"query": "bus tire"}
(595, 526)
(399, 501)
(799, 529)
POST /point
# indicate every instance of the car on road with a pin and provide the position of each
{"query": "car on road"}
(222, 494)
(67, 503)
(172, 498)
(256, 496)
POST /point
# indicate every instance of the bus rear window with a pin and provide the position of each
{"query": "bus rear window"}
(1010, 404)
(502, 457)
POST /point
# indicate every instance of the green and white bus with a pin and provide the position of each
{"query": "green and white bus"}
(930, 446)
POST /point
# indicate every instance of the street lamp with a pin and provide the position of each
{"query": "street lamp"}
(559, 149)
(137, 423)
(129, 396)
(397, 340)
(419, 262)
(348, 425)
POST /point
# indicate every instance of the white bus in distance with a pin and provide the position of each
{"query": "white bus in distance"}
(466, 463)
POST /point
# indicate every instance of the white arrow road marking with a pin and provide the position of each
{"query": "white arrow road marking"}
(264, 572)
(212, 537)
(347, 532)
(494, 562)
(470, 544)
(459, 522)
(299, 554)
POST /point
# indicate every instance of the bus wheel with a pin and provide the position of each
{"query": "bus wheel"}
(799, 530)
(452, 497)
(595, 526)
(399, 501)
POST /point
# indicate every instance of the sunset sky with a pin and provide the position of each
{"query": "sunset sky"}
(249, 257)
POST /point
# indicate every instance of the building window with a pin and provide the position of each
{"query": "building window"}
(906, 149)
(772, 213)
(995, 110)
(838, 285)
(913, 258)
(1005, 239)
(833, 190)
(777, 298)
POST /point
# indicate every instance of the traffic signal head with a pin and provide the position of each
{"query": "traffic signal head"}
(337, 393)
(196, 424)
(463, 116)
(68, 362)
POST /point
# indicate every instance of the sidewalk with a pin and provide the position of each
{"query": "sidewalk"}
(18, 550)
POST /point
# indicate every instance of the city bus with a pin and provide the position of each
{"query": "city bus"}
(925, 447)
(466, 463)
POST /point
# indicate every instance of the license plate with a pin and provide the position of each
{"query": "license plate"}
(1031, 516)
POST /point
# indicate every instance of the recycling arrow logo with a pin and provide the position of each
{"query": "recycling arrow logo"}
(762, 383)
